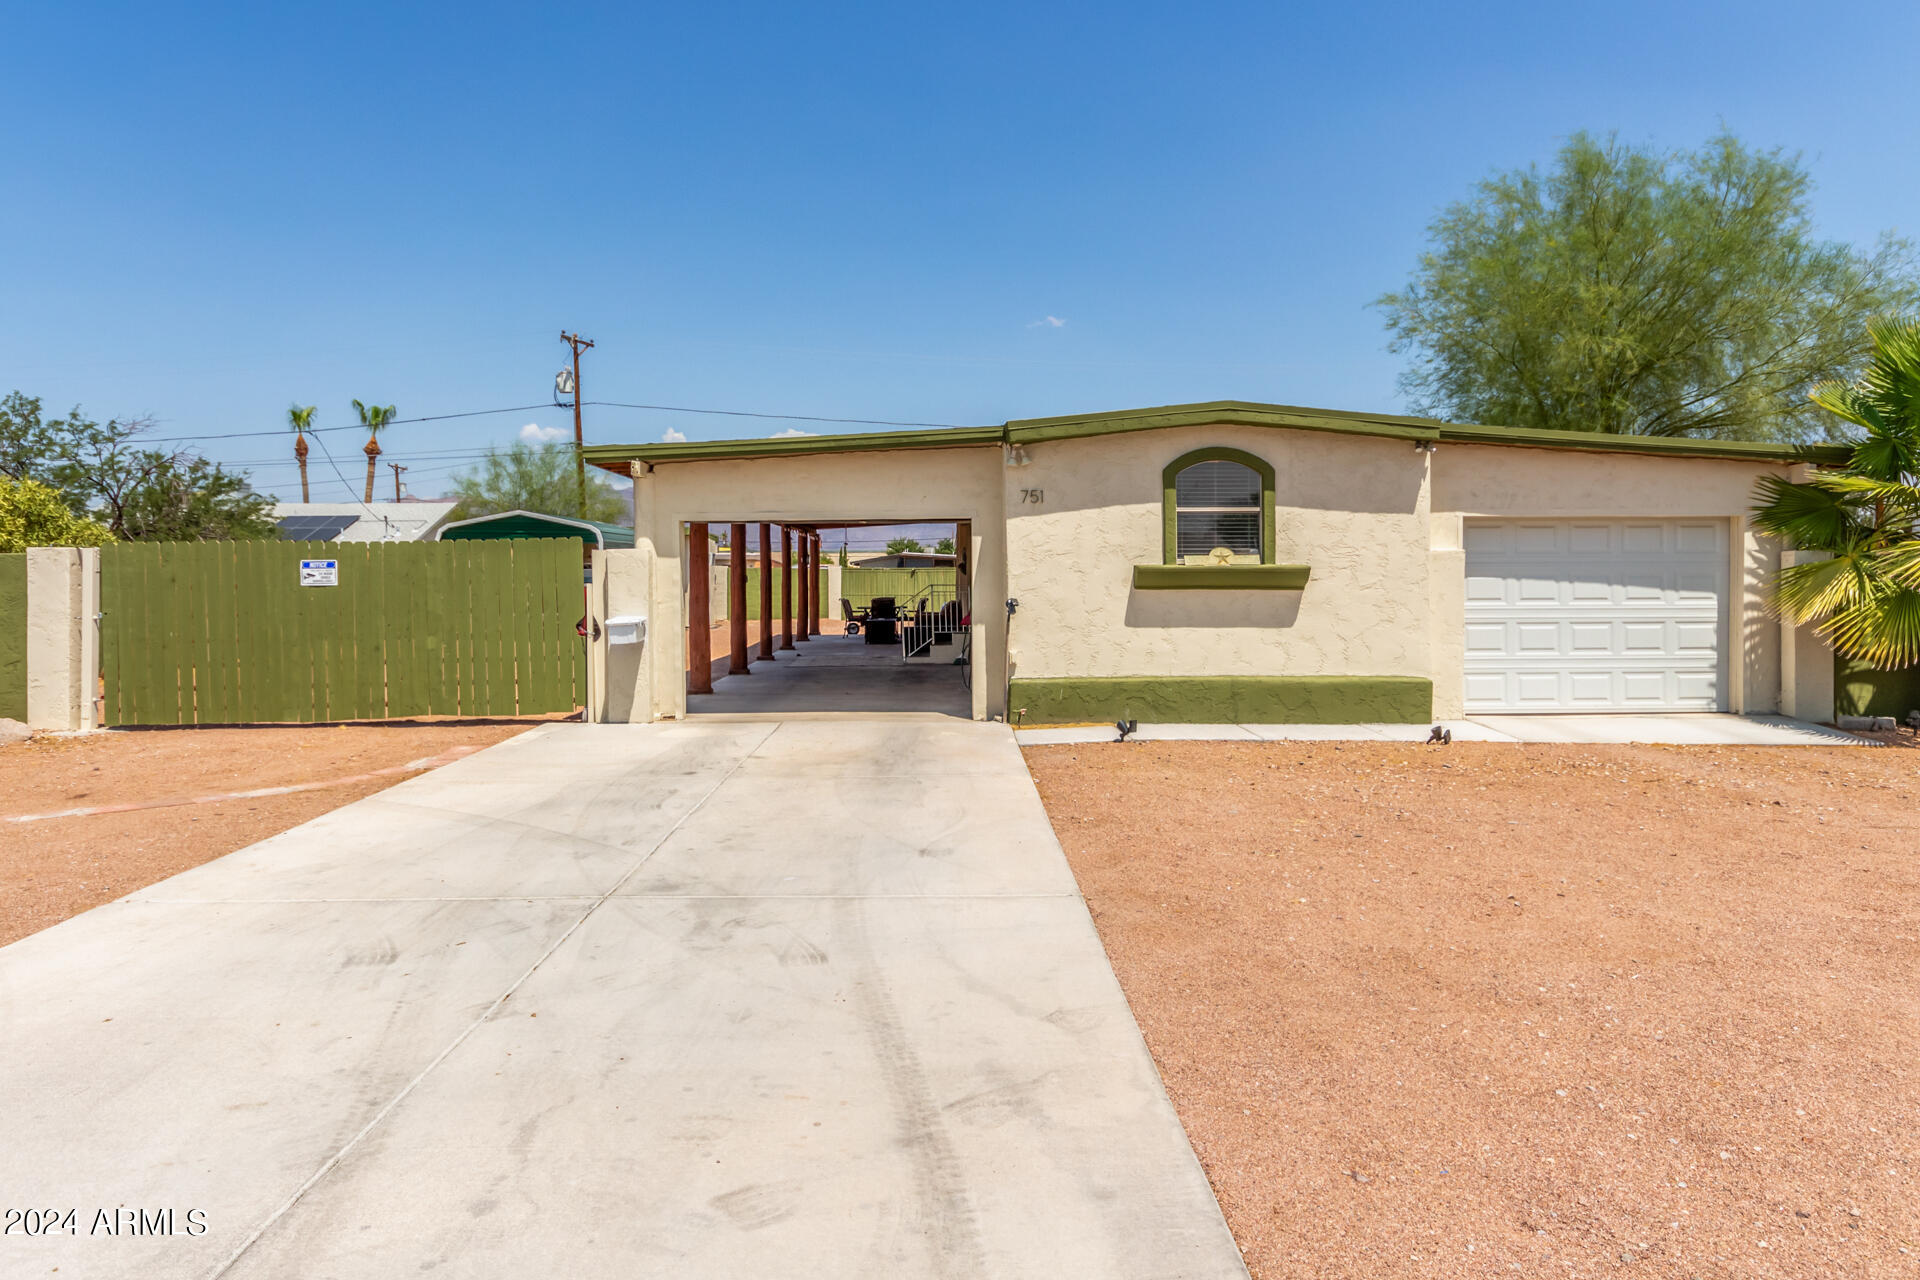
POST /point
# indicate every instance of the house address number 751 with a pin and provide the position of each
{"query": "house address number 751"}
(1033, 495)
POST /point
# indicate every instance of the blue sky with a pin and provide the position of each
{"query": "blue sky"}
(864, 212)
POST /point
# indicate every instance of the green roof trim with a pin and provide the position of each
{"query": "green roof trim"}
(1025, 431)
(526, 525)
(793, 446)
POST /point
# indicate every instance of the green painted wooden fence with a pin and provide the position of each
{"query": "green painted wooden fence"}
(223, 632)
(753, 595)
(860, 586)
(13, 636)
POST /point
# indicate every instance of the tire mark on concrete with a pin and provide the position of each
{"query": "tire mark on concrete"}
(946, 1218)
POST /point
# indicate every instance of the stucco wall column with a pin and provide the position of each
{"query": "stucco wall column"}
(62, 650)
(737, 600)
(699, 612)
(766, 594)
(1806, 663)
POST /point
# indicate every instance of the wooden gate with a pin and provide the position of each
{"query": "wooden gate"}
(225, 632)
(13, 636)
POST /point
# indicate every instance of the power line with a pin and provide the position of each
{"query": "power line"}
(778, 417)
(437, 417)
(529, 408)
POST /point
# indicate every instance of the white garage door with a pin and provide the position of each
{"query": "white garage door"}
(1596, 615)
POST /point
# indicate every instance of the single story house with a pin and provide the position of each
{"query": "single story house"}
(411, 521)
(1264, 563)
(902, 560)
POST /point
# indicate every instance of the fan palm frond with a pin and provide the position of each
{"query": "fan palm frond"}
(1866, 597)
(1883, 629)
(1809, 516)
(1813, 591)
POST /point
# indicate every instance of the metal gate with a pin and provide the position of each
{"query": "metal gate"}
(226, 632)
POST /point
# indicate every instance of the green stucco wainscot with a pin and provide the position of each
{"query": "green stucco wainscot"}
(1223, 700)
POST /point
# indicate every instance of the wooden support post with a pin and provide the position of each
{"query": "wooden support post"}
(813, 584)
(803, 549)
(786, 587)
(699, 611)
(766, 593)
(737, 601)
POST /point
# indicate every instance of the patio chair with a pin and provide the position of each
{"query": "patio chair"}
(854, 618)
(882, 621)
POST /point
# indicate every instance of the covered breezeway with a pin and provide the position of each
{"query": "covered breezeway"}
(792, 640)
(781, 649)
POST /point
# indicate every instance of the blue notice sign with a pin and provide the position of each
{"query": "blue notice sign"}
(319, 573)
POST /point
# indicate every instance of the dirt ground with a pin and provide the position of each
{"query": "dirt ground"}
(53, 869)
(1495, 1010)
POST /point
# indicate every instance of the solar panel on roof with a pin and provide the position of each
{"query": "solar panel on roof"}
(313, 528)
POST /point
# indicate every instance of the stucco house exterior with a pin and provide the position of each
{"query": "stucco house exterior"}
(1269, 564)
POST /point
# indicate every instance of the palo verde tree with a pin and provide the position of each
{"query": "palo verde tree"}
(539, 478)
(373, 417)
(300, 418)
(1640, 292)
(1865, 595)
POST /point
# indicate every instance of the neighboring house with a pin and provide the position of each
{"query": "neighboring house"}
(901, 560)
(413, 521)
(1262, 563)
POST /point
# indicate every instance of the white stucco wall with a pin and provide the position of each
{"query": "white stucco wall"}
(900, 486)
(1354, 509)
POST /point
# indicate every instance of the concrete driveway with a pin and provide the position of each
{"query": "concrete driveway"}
(721, 1000)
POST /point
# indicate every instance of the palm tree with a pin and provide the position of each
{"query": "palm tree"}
(301, 420)
(1865, 515)
(373, 417)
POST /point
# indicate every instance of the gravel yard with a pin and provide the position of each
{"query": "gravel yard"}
(1524, 1010)
(59, 867)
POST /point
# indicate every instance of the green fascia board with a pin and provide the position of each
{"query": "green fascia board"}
(1222, 699)
(1229, 413)
(793, 446)
(1670, 446)
(1219, 577)
(1213, 413)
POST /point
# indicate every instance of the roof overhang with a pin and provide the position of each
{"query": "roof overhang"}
(620, 457)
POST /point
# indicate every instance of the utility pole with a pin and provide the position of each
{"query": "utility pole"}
(578, 344)
(396, 468)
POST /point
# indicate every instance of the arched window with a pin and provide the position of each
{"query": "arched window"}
(1218, 498)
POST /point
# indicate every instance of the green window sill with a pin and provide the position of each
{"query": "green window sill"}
(1219, 577)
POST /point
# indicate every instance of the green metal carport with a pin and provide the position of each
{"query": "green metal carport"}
(520, 525)
(537, 524)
